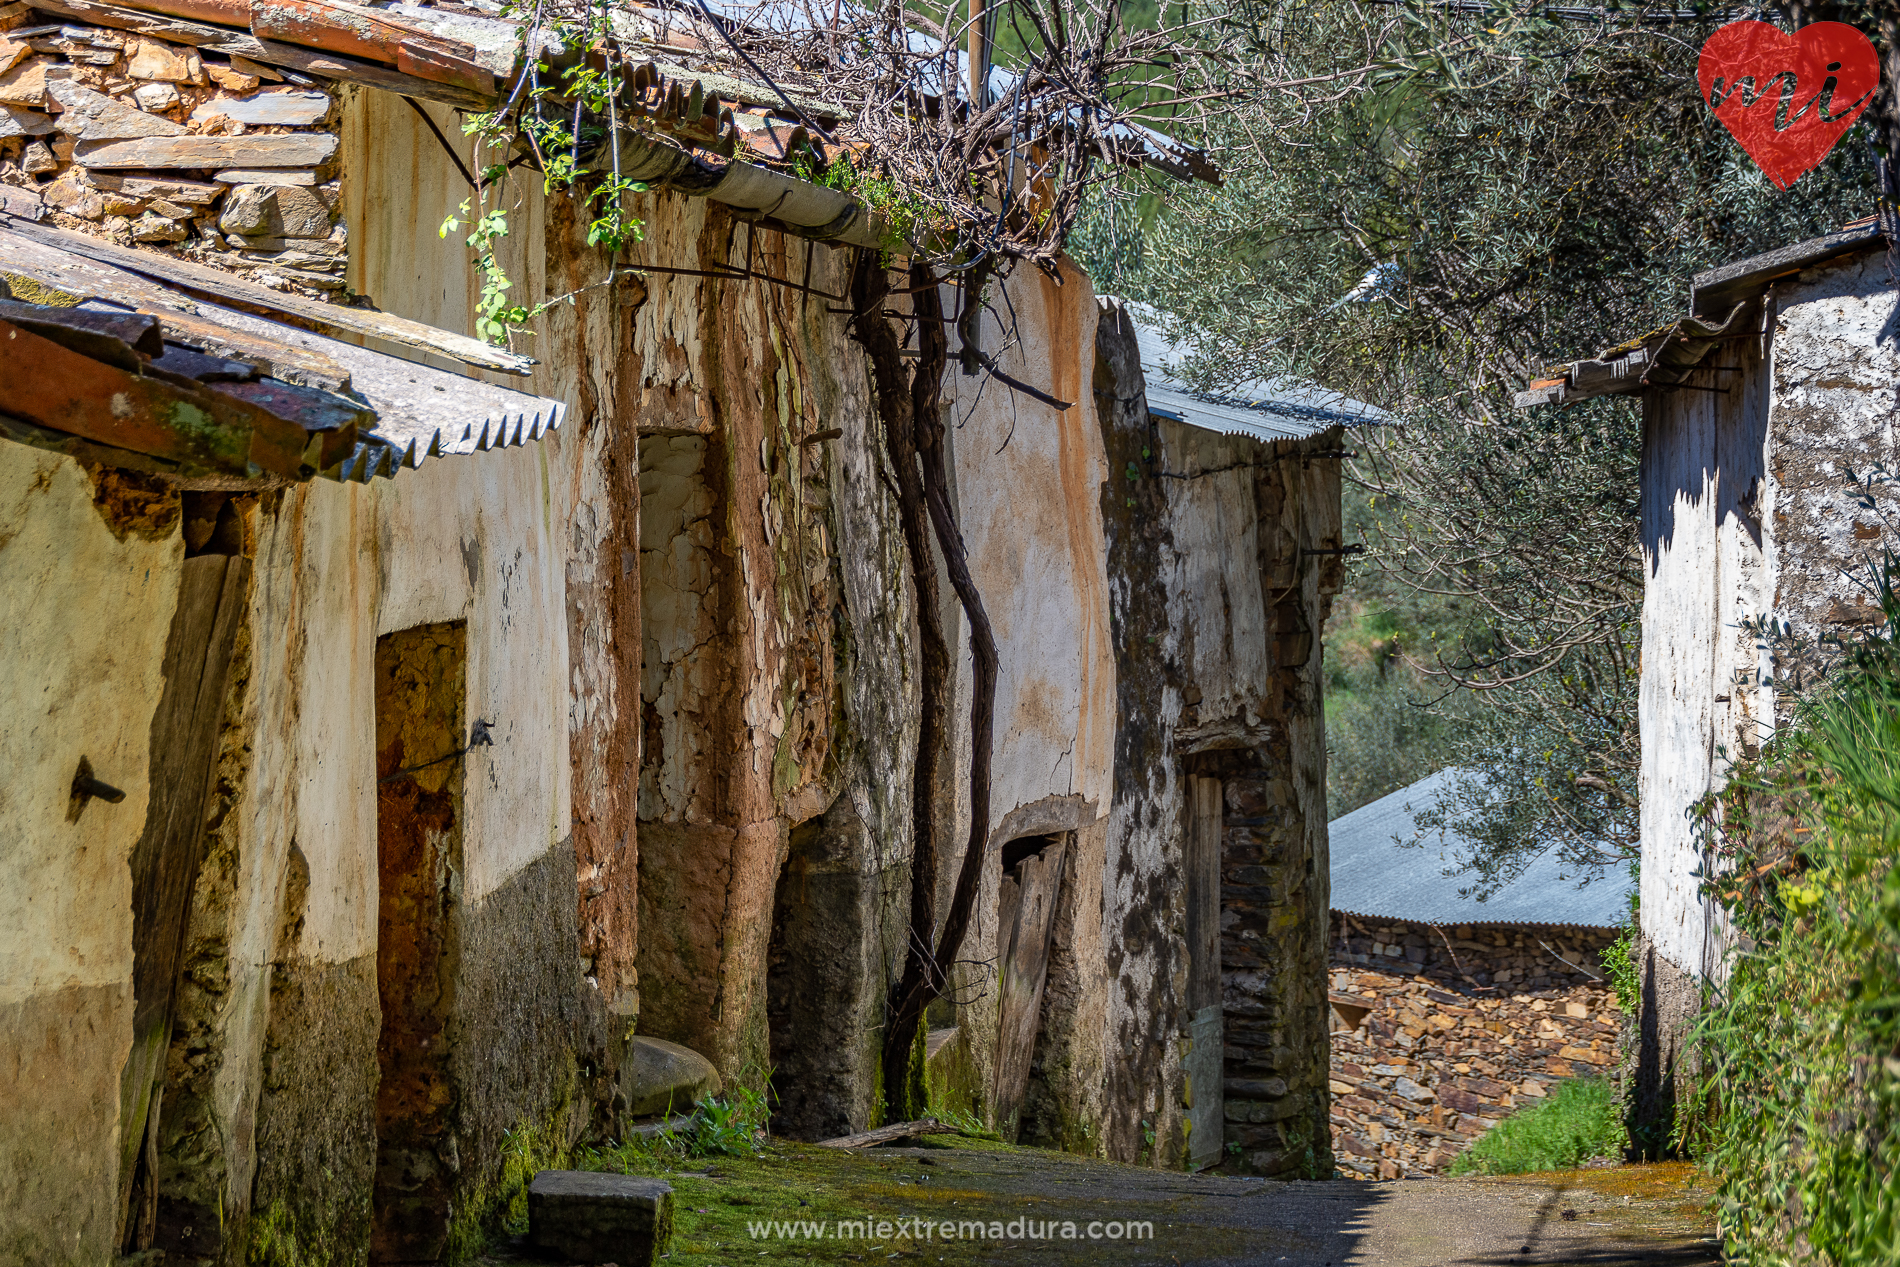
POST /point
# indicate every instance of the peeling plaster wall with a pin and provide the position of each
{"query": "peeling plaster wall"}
(752, 600)
(1216, 612)
(796, 569)
(460, 539)
(1751, 519)
(1027, 482)
(87, 612)
(589, 493)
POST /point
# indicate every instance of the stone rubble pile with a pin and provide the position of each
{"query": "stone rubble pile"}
(1440, 1034)
(223, 161)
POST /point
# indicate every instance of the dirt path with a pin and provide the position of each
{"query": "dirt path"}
(1028, 1207)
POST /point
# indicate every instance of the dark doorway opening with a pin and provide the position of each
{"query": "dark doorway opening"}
(1027, 902)
(420, 676)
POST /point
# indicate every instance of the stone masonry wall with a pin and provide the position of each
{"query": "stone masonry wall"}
(1438, 1034)
(221, 161)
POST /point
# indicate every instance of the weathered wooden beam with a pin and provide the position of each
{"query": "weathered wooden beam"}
(212, 592)
(55, 387)
(359, 31)
(225, 288)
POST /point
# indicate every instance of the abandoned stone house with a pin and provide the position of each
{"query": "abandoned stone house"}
(1766, 466)
(397, 744)
(1452, 1010)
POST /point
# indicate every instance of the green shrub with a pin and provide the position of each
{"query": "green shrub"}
(1799, 1088)
(1579, 1121)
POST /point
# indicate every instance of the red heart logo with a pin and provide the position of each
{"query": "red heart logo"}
(1788, 98)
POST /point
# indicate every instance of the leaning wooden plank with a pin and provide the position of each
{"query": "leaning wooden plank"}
(210, 153)
(885, 1134)
(225, 288)
(213, 591)
(220, 39)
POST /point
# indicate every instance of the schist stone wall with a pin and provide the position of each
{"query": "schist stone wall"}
(1439, 1033)
(219, 160)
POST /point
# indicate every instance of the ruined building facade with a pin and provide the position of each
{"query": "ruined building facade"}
(543, 738)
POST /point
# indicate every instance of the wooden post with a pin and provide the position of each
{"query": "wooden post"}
(979, 45)
(1205, 1027)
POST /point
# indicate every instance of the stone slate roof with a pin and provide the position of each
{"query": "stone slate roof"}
(1375, 875)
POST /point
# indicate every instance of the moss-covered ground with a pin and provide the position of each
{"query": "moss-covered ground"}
(1652, 1216)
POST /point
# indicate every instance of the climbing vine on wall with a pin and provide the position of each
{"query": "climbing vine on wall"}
(554, 117)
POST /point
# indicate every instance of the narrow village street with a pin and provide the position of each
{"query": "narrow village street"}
(686, 633)
(1611, 1216)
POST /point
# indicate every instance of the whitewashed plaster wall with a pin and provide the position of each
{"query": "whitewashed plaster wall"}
(1757, 548)
(1028, 489)
(1708, 571)
(86, 615)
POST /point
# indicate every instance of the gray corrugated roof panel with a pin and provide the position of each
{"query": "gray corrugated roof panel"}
(421, 411)
(1374, 875)
(1266, 409)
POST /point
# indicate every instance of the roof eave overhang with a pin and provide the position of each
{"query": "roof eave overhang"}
(1720, 304)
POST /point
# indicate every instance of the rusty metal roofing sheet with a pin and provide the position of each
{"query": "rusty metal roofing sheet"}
(420, 411)
(1266, 409)
(1385, 866)
(1663, 358)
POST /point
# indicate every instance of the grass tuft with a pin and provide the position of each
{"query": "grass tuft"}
(1579, 1121)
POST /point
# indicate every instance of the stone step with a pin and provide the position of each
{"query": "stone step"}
(600, 1218)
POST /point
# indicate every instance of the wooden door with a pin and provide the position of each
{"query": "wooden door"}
(1025, 930)
(1206, 1031)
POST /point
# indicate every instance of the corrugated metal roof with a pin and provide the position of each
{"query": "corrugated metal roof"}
(1375, 875)
(420, 412)
(1266, 409)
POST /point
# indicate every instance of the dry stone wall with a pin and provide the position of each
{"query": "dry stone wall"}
(221, 161)
(1439, 1034)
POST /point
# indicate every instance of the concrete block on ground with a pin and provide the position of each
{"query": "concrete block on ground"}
(600, 1218)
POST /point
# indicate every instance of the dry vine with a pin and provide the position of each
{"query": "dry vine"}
(974, 173)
